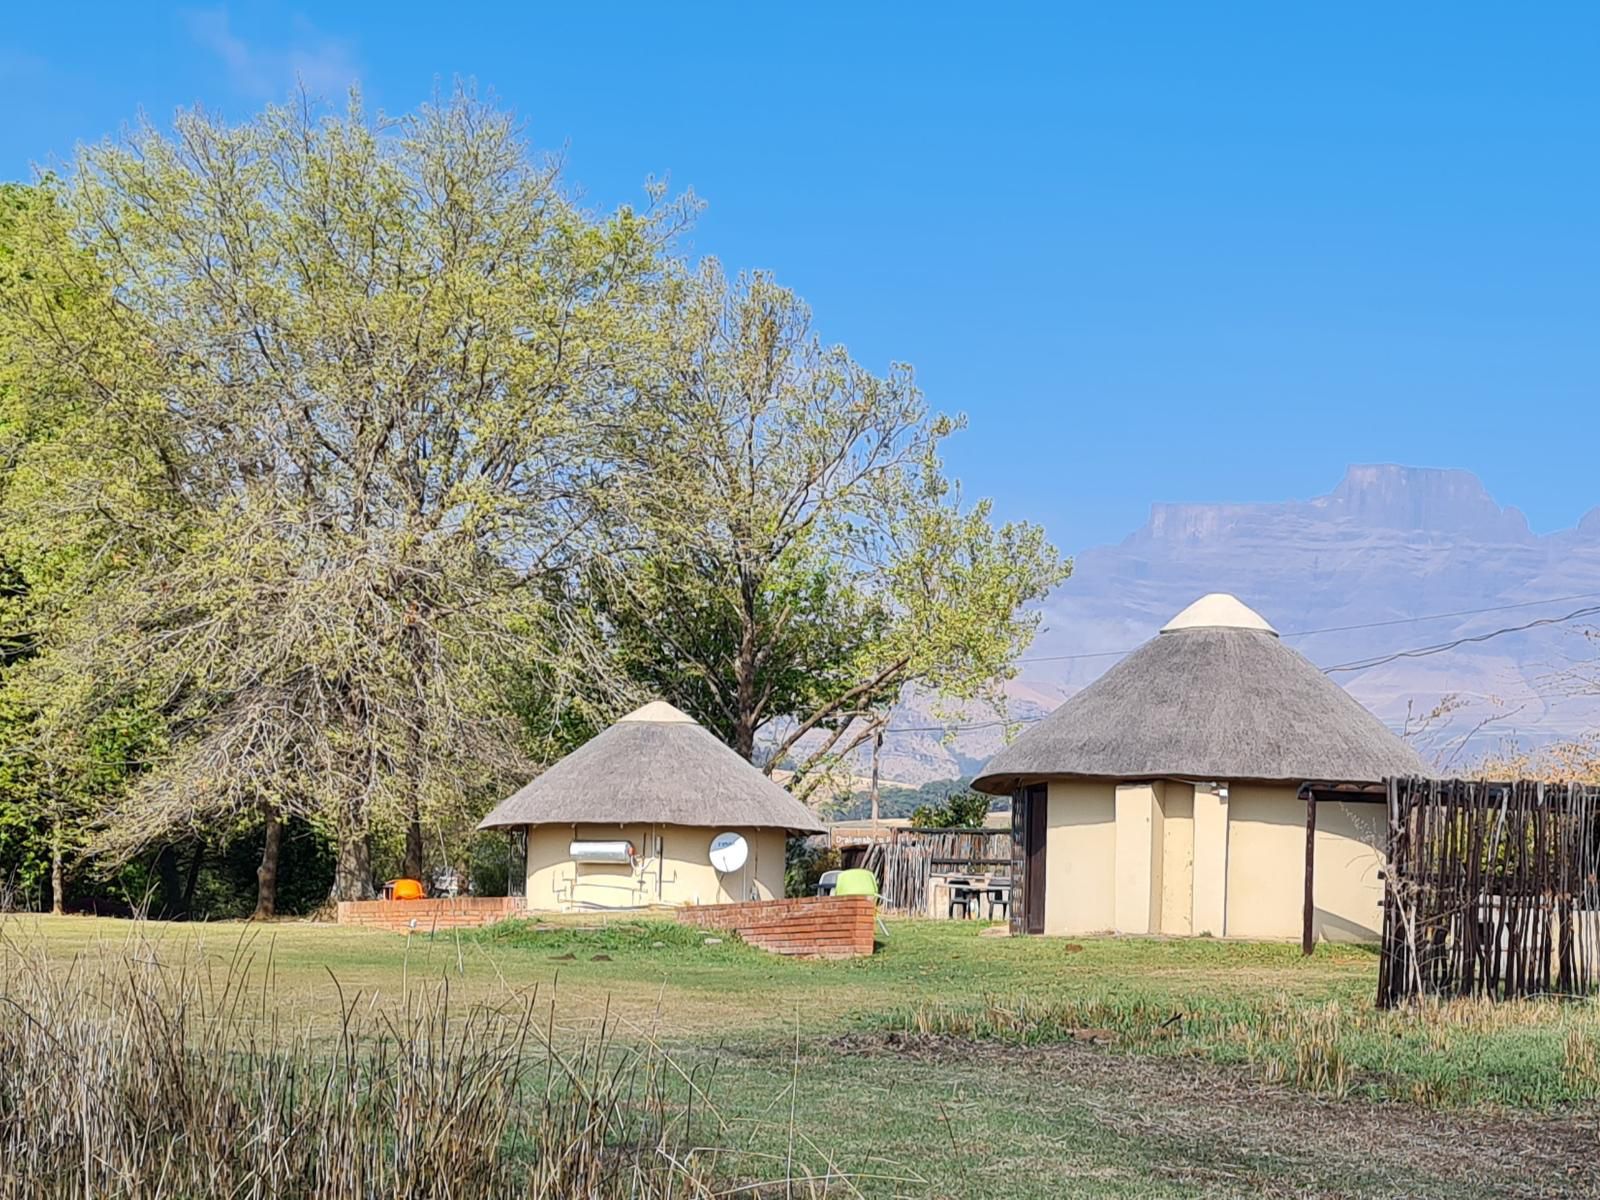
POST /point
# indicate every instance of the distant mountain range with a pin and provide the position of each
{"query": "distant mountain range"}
(1389, 544)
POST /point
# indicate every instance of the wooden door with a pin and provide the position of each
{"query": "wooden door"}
(1029, 825)
(517, 864)
(1038, 811)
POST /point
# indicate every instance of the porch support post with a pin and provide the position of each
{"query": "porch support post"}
(1308, 933)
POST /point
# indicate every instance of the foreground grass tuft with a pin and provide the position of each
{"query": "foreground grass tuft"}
(136, 1076)
(1114, 1068)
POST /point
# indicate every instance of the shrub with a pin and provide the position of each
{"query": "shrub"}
(806, 863)
(960, 810)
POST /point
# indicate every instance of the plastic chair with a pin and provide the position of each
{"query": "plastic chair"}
(856, 882)
(859, 882)
(406, 889)
(999, 897)
(825, 884)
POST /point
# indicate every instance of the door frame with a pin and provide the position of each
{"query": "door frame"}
(517, 863)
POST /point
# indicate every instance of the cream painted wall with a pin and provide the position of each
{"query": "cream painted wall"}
(1140, 846)
(1136, 807)
(1080, 858)
(681, 874)
(1177, 853)
(1346, 886)
(1266, 861)
(1229, 860)
(1266, 872)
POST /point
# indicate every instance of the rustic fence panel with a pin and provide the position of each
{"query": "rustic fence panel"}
(1491, 889)
(907, 858)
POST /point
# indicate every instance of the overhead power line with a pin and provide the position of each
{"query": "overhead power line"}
(1464, 612)
(1441, 647)
(960, 728)
(1300, 633)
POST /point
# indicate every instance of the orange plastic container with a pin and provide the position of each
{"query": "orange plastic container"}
(408, 889)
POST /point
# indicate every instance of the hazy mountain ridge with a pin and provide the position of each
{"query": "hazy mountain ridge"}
(1387, 543)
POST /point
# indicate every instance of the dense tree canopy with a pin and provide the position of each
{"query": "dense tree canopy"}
(349, 470)
(801, 556)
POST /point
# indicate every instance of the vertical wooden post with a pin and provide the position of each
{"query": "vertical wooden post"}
(1308, 932)
(877, 748)
(1019, 861)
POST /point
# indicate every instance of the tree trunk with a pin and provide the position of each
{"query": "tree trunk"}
(57, 886)
(744, 739)
(412, 867)
(744, 670)
(352, 872)
(413, 861)
(171, 889)
(267, 872)
(194, 878)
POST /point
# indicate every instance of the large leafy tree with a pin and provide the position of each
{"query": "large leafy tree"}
(369, 365)
(792, 555)
(61, 460)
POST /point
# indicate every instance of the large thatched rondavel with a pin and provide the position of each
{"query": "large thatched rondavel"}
(653, 810)
(1176, 793)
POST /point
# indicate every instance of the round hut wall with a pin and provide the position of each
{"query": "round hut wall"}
(671, 866)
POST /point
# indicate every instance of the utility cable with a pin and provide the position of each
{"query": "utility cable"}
(1357, 665)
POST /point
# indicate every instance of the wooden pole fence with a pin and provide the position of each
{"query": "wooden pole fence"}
(1490, 889)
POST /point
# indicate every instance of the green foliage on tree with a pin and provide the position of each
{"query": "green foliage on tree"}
(74, 510)
(350, 471)
(371, 366)
(958, 810)
(896, 800)
(796, 556)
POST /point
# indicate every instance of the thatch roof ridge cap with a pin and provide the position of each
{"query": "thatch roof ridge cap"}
(657, 712)
(1219, 610)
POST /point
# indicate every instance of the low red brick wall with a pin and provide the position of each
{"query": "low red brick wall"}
(421, 916)
(810, 927)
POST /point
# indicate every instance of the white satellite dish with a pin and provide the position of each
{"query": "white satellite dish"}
(728, 852)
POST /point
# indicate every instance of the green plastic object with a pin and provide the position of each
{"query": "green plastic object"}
(856, 883)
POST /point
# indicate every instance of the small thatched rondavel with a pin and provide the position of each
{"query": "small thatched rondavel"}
(654, 810)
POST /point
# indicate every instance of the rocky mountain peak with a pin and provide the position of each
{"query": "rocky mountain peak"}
(1429, 499)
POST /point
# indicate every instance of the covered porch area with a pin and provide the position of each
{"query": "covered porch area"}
(1199, 858)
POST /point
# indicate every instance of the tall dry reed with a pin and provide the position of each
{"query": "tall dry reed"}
(130, 1076)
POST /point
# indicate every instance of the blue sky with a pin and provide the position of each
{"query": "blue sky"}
(1156, 252)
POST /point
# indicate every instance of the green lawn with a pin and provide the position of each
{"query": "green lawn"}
(952, 1064)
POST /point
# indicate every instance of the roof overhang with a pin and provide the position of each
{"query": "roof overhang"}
(1006, 784)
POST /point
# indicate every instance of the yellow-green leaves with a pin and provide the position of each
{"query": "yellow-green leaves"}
(795, 555)
(320, 420)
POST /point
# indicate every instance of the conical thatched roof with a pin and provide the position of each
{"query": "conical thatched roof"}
(656, 765)
(1214, 695)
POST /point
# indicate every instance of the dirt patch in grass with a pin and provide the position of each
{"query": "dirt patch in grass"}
(1227, 1133)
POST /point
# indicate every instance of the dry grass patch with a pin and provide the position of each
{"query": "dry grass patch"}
(140, 1075)
(1524, 1054)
